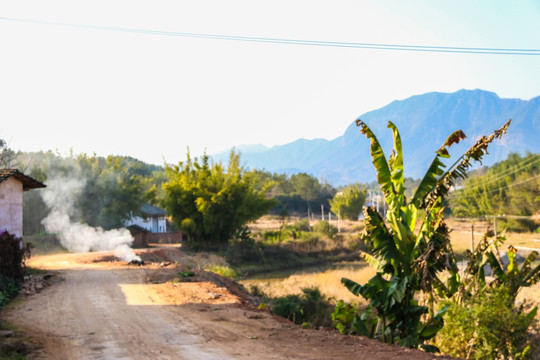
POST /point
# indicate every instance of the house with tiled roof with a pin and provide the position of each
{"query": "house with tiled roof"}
(13, 184)
(153, 219)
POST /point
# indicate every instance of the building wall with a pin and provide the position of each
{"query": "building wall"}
(165, 238)
(11, 206)
(155, 224)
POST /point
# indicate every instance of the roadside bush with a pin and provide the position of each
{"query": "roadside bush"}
(309, 307)
(9, 288)
(300, 225)
(289, 307)
(225, 271)
(519, 225)
(273, 236)
(486, 328)
(324, 228)
(346, 319)
(12, 256)
(244, 252)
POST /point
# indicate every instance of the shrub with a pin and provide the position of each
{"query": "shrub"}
(324, 228)
(289, 307)
(300, 225)
(9, 288)
(225, 271)
(272, 236)
(346, 319)
(12, 256)
(309, 307)
(485, 328)
(518, 225)
(244, 251)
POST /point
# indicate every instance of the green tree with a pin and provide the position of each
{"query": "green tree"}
(348, 202)
(114, 187)
(210, 203)
(412, 247)
(306, 186)
(509, 187)
(7, 156)
(114, 190)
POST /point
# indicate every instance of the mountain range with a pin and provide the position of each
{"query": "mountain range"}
(424, 122)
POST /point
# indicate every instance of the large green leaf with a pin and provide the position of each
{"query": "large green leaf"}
(496, 268)
(379, 238)
(352, 286)
(529, 276)
(371, 260)
(435, 169)
(379, 161)
(398, 287)
(460, 167)
(396, 168)
(428, 182)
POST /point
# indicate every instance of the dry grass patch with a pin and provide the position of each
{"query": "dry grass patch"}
(328, 281)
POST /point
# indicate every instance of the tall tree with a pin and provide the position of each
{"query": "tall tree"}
(348, 202)
(210, 203)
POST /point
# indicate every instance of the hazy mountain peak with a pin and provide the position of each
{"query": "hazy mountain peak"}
(424, 122)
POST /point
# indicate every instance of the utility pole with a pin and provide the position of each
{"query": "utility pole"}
(322, 212)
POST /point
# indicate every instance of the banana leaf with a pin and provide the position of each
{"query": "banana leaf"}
(384, 176)
(396, 168)
(435, 169)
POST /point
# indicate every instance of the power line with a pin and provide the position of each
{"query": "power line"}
(371, 46)
(526, 163)
(496, 190)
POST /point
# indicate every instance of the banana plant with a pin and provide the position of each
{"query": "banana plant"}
(411, 247)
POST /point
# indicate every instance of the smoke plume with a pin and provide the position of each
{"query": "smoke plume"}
(60, 196)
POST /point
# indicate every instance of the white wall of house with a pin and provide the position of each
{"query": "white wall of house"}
(11, 206)
(156, 224)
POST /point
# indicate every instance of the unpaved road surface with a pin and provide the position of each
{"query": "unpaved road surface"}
(109, 310)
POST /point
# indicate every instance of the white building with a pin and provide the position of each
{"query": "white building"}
(12, 185)
(153, 220)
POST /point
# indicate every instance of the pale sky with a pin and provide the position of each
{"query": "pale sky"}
(151, 96)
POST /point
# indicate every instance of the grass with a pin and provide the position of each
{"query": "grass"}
(328, 281)
(223, 270)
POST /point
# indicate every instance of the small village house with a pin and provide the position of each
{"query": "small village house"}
(152, 227)
(12, 185)
(153, 219)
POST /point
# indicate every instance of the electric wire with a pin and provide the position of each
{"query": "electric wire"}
(496, 190)
(533, 160)
(371, 46)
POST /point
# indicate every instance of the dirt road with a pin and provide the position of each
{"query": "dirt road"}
(109, 310)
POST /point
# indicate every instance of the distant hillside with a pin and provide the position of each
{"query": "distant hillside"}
(424, 122)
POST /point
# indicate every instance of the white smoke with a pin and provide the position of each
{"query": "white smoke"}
(59, 196)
